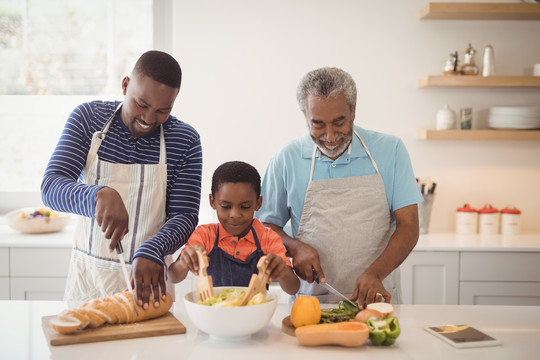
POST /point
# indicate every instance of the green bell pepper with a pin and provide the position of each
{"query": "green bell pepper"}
(383, 331)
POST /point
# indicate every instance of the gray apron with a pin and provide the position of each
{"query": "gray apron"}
(348, 222)
(93, 271)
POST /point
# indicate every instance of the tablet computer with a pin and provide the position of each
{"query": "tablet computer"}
(462, 336)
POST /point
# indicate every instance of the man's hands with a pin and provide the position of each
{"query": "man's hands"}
(111, 215)
(148, 279)
(369, 289)
(147, 276)
(305, 261)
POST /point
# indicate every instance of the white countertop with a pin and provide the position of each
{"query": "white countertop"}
(21, 337)
(13, 238)
(528, 241)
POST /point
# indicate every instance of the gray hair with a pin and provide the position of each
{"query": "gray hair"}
(326, 82)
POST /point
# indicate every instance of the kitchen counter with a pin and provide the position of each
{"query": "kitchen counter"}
(21, 337)
(13, 238)
(528, 241)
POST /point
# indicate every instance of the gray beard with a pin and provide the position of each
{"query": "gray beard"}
(336, 152)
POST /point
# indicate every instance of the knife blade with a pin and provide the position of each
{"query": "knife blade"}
(331, 289)
(120, 254)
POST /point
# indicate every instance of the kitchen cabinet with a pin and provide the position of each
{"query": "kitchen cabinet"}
(479, 11)
(430, 278)
(446, 269)
(4, 274)
(4, 288)
(494, 278)
(38, 273)
(37, 288)
(499, 293)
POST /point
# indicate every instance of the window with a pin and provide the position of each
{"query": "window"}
(56, 54)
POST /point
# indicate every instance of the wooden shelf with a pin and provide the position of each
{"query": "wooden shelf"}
(480, 11)
(427, 134)
(479, 81)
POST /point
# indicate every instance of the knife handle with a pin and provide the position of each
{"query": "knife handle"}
(315, 276)
(119, 248)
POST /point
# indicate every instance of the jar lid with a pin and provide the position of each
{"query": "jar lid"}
(466, 208)
(510, 210)
(488, 209)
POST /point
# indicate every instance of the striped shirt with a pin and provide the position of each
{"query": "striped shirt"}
(62, 188)
(239, 248)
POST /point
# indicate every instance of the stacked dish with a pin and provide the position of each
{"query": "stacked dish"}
(514, 117)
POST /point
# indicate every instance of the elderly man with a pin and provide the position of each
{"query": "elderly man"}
(350, 195)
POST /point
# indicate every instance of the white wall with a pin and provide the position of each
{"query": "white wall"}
(242, 60)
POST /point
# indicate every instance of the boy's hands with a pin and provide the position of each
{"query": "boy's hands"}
(276, 267)
(188, 258)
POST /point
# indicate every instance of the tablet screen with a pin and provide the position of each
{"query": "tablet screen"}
(461, 333)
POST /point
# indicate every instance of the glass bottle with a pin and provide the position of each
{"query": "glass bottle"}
(469, 67)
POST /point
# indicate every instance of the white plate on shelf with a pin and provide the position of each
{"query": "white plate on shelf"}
(517, 111)
(514, 127)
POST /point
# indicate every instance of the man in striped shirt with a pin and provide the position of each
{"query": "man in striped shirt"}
(132, 172)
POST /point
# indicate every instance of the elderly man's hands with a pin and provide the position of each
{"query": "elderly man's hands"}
(369, 289)
(305, 261)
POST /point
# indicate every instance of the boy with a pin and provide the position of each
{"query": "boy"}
(236, 243)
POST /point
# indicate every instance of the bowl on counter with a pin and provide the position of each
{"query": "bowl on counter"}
(37, 221)
(230, 323)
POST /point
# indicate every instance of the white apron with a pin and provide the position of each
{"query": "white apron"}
(93, 271)
(348, 222)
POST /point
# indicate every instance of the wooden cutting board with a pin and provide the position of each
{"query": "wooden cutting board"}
(164, 325)
(287, 326)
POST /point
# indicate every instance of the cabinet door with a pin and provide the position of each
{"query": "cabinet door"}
(499, 293)
(37, 288)
(4, 262)
(4, 288)
(430, 277)
(500, 266)
(46, 262)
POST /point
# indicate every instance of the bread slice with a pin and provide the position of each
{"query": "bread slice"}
(115, 309)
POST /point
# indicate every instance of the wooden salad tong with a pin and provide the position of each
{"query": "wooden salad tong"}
(205, 287)
(258, 282)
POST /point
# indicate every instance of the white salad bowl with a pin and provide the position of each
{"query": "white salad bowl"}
(37, 225)
(230, 323)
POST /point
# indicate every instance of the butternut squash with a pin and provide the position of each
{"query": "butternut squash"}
(306, 310)
(350, 334)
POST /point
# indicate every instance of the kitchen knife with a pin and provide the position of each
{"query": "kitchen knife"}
(331, 289)
(120, 253)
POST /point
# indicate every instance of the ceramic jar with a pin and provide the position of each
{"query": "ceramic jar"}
(510, 221)
(466, 220)
(488, 219)
(446, 118)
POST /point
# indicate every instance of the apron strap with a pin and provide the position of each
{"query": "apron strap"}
(367, 151)
(363, 144)
(99, 136)
(255, 237)
(162, 148)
